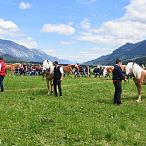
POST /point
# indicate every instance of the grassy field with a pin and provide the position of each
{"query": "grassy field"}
(84, 116)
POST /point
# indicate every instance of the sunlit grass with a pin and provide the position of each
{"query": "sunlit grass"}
(84, 116)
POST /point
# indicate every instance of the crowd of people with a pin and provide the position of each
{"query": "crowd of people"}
(27, 69)
(78, 71)
(81, 71)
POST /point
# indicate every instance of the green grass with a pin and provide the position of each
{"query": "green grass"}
(84, 116)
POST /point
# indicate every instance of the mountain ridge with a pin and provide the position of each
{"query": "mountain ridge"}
(127, 52)
(17, 52)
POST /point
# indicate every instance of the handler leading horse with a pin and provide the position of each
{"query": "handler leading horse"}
(139, 76)
(47, 72)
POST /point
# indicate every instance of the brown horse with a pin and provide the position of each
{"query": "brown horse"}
(68, 69)
(80, 71)
(139, 76)
(13, 67)
(107, 70)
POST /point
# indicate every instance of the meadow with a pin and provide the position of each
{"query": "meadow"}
(84, 116)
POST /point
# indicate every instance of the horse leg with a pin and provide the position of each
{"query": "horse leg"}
(139, 93)
(48, 86)
(138, 85)
(51, 85)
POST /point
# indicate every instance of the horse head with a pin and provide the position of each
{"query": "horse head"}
(48, 65)
(129, 68)
(73, 66)
(135, 69)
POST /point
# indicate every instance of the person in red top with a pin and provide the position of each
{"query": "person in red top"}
(2, 73)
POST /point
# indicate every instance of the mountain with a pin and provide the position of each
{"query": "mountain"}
(12, 51)
(127, 52)
(10, 58)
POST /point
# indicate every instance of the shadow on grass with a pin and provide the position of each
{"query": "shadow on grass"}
(133, 98)
(130, 98)
(42, 92)
(105, 101)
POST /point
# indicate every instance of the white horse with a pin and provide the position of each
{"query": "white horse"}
(47, 71)
(139, 76)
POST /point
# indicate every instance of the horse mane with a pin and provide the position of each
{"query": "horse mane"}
(47, 64)
(136, 69)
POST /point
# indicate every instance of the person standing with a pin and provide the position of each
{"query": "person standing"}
(117, 77)
(87, 70)
(2, 73)
(57, 78)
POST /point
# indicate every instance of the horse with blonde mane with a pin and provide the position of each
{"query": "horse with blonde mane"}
(47, 72)
(139, 76)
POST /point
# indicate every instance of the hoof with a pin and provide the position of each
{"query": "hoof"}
(138, 100)
(48, 93)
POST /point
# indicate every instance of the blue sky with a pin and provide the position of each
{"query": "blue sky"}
(78, 30)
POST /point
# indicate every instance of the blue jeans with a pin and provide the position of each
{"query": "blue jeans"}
(1, 83)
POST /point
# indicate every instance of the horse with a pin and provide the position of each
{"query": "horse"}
(98, 71)
(79, 71)
(139, 76)
(13, 67)
(68, 69)
(47, 71)
(108, 70)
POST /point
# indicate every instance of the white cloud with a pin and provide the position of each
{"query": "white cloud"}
(8, 28)
(24, 5)
(129, 28)
(87, 1)
(65, 29)
(91, 54)
(85, 24)
(27, 42)
(49, 51)
(136, 11)
(66, 42)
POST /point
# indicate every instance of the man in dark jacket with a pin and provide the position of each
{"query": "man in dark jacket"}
(57, 78)
(118, 76)
(2, 73)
